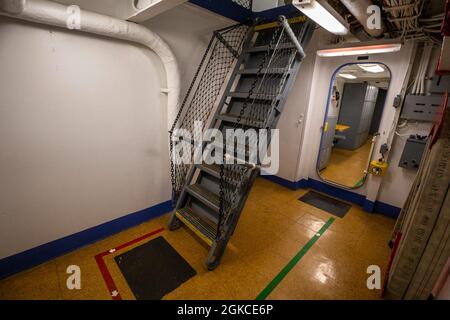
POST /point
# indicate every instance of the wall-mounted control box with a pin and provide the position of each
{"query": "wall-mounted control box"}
(440, 84)
(413, 152)
(422, 108)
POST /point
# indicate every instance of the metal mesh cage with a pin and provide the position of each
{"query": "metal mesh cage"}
(202, 96)
(252, 99)
(257, 109)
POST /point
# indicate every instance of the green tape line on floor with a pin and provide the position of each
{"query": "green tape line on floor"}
(276, 281)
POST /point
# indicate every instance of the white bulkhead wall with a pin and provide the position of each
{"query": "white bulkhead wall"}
(83, 125)
(308, 102)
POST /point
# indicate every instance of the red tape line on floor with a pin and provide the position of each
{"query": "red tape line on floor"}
(104, 269)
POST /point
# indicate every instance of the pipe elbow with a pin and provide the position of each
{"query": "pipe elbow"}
(162, 49)
(55, 14)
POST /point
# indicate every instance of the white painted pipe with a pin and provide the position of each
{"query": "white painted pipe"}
(292, 36)
(55, 14)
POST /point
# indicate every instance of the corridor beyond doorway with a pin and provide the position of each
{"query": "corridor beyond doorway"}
(345, 165)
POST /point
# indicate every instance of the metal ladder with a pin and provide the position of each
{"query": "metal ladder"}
(213, 196)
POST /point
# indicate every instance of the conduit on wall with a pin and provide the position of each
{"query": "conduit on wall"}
(54, 14)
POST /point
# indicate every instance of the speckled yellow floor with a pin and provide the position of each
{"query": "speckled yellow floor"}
(273, 228)
(346, 167)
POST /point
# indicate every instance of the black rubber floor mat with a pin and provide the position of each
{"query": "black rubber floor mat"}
(330, 205)
(154, 269)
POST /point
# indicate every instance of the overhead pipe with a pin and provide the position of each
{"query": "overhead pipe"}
(358, 8)
(55, 14)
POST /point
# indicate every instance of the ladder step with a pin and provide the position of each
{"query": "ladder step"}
(244, 120)
(199, 202)
(214, 170)
(266, 47)
(263, 71)
(207, 197)
(211, 169)
(257, 96)
(203, 230)
(239, 149)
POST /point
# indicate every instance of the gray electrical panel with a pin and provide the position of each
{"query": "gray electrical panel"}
(413, 152)
(440, 84)
(422, 108)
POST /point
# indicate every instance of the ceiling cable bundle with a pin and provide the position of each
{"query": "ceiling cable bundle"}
(407, 19)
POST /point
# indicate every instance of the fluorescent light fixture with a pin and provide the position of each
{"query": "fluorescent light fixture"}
(372, 68)
(360, 50)
(347, 76)
(323, 14)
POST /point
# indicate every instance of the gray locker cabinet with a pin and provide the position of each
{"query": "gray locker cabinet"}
(357, 109)
(368, 109)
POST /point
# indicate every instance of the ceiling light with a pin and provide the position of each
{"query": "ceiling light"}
(361, 50)
(347, 76)
(323, 14)
(372, 68)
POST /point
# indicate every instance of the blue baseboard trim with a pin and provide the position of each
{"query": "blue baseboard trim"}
(387, 209)
(233, 11)
(226, 8)
(368, 206)
(302, 184)
(289, 11)
(286, 183)
(283, 182)
(54, 249)
(346, 195)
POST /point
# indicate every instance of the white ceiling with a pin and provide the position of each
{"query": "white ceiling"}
(381, 80)
(355, 70)
(113, 8)
(125, 9)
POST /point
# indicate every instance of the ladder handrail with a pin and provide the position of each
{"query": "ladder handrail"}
(284, 22)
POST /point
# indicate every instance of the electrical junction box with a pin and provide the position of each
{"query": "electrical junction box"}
(440, 84)
(413, 152)
(422, 108)
(378, 168)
